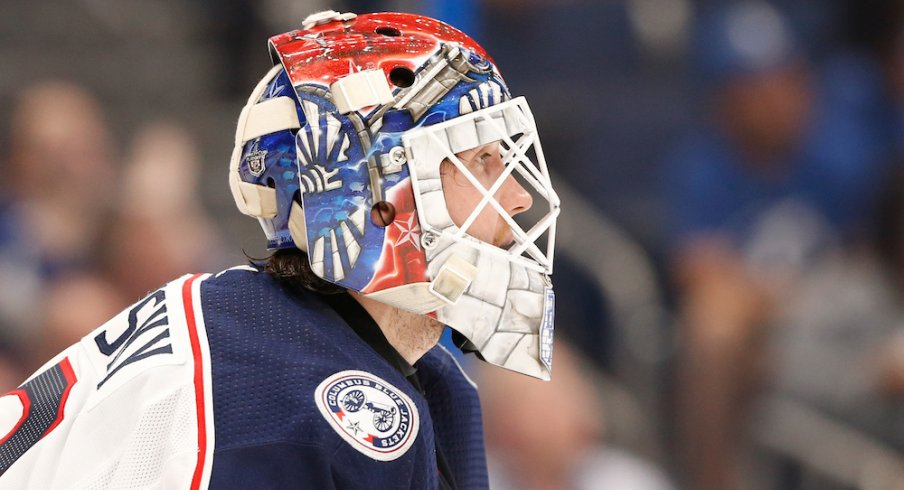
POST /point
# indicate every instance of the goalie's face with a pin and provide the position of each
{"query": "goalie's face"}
(486, 165)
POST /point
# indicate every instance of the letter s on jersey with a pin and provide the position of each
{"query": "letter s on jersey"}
(133, 344)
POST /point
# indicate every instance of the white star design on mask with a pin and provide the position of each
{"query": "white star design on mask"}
(410, 231)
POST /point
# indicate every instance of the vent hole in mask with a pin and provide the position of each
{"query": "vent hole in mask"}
(382, 214)
(401, 77)
(388, 31)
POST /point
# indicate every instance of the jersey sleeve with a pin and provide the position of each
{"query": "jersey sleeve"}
(124, 407)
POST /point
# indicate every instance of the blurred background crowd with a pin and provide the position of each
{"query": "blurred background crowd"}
(730, 267)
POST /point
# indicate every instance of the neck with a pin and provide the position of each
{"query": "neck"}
(411, 334)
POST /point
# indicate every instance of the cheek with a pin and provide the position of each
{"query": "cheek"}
(457, 212)
(460, 199)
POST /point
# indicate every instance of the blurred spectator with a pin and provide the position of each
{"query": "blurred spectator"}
(72, 307)
(548, 435)
(13, 368)
(865, 76)
(840, 345)
(763, 189)
(55, 194)
(160, 230)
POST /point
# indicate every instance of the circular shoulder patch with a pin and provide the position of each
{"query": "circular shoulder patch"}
(375, 417)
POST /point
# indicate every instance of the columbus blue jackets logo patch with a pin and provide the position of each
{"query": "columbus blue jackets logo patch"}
(375, 417)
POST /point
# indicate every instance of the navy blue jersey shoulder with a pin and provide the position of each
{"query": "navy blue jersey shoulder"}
(269, 352)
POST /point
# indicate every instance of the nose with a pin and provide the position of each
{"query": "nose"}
(513, 197)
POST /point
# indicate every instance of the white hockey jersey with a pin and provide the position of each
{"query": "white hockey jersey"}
(128, 406)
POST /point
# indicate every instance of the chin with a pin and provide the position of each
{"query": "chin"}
(505, 241)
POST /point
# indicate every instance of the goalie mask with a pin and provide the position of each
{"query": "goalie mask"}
(387, 146)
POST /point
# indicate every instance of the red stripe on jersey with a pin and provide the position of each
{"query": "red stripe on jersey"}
(26, 409)
(199, 378)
